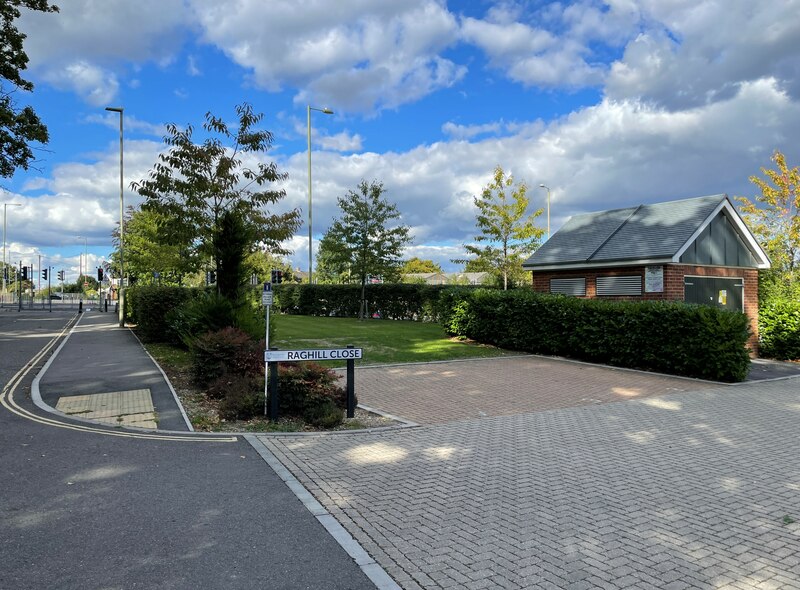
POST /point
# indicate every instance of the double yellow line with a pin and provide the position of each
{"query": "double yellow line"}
(8, 402)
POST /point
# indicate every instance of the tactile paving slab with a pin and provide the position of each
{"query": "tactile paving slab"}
(118, 408)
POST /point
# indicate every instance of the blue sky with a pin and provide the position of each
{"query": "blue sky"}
(608, 103)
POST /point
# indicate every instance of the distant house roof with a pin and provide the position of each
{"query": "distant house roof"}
(442, 278)
(656, 234)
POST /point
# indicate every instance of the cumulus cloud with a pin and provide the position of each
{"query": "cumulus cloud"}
(695, 53)
(469, 131)
(104, 31)
(359, 56)
(94, 84)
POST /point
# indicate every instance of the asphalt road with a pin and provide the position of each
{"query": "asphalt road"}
(85, 510)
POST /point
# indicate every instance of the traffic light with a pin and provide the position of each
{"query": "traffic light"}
(61, 275)
(277, 277)
(99, 275)
(24, 273)
(44, 274)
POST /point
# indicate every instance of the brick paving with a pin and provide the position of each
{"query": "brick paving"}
(442, 392)
(687, 490)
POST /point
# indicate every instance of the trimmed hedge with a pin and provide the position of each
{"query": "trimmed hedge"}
(391, 301)
(669, 337)
(779, 329)
(148, 306)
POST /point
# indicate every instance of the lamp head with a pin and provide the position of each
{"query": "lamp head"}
(115, 109)
(542, 186)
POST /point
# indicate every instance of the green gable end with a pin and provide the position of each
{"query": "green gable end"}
(719, 244)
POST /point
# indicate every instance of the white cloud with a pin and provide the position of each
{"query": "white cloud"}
(95, 85)
(131, 123)
(341, 142)
(356, 55)
(104, 31)
(469, 131)
(694, 53)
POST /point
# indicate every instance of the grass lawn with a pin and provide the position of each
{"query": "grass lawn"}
(383, 341)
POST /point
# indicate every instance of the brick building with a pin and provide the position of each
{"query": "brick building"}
(695, 250)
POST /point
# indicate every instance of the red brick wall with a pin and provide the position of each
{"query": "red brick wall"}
(673, 285)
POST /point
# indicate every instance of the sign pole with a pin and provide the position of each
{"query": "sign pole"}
(351, 397)
(266, 300)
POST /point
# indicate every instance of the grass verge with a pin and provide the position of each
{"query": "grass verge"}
(383, 341)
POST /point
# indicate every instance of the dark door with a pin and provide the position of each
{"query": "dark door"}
(717, 291)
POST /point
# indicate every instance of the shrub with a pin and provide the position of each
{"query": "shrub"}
(671, 337)
(779, 329)
(311, 392)
(151, 306)
(242, 396)
(391, 301)
(212, 312)
(226, 352)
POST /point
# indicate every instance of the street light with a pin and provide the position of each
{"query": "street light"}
(326, 111)
(121, 221)
(548, 208)
(5, 208)
(85, 260)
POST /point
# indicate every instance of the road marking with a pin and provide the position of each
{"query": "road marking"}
(8, 402)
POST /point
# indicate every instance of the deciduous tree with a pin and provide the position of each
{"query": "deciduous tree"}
(366, 240)
(774, 218)
(147, 251)
(416, 265)
(508, 234)
(19, 127)
(194, 184)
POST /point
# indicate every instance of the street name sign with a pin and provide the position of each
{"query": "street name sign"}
(323, 354)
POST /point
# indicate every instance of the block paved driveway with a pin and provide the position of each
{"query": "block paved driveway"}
(683, 490)
(432, 393)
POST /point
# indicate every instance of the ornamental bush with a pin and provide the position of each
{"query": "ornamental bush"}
(779, 329)
(311, 392)
(391, 301)
(229, 351)
(670, 337)
(149, 306)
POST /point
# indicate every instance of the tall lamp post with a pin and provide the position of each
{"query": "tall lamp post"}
(81, 270)
(121, 220)
(547, 188)
(5, 208)
(327, 111)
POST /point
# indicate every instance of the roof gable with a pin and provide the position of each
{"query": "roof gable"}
(658, 232)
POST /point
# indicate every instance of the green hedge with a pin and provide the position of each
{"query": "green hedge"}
(396, 301)
(676, 338)
(147, 307)
(779, 329)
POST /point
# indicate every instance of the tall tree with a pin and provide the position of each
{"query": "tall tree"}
(508, 233)
(148, 251)
(417, 265)
(363, 241)
(193, 184)
(19, 127)
(774, 218)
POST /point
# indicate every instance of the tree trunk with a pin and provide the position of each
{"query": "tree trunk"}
(362, 311)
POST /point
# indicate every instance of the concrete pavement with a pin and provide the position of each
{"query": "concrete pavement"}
(100, 358)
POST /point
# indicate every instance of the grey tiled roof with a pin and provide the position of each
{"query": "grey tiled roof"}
(634, 233)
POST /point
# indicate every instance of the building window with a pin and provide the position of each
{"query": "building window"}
(576, 287)
(616, 285)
